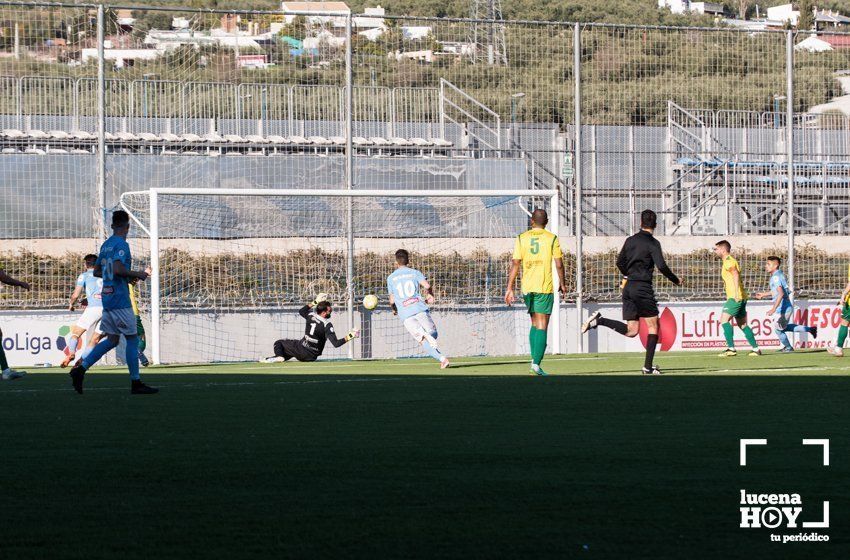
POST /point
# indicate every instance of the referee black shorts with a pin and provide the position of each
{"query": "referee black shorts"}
(639, 301)
(288, 349)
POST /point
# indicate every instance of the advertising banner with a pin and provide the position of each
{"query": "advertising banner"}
(696, 326)
(33, 338)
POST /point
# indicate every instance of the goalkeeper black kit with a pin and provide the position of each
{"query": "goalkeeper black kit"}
(317, 332)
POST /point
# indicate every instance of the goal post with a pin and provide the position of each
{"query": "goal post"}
(215, 251)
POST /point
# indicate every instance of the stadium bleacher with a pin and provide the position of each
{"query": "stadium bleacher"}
(39, 142)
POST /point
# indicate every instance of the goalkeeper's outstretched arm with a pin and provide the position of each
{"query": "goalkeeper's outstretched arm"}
(9, 281)
(337, 342)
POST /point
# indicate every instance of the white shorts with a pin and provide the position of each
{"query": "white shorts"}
(118, 321)
(421, 325)
(89, 318)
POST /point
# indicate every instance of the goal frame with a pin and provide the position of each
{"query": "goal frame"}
(153, 233)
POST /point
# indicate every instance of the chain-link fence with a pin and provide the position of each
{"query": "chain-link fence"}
(694, 123)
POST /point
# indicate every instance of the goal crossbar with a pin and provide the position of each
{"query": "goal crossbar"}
(153, 229)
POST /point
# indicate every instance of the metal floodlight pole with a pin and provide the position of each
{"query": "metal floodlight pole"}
(789, 146)
(349, 178)
(577, 164)
(101, 130)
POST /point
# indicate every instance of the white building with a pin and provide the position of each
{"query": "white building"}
(675, 6)
(688, 7)
(326, 14)
(374, 21)
(121, 57)
(710, 8)
(813, 44)
(783, 14)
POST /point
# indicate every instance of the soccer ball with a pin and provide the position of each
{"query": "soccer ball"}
(370, 302)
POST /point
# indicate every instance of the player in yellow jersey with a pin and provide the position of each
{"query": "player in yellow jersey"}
(534, 251)
(140, 328)
(838, 349)
(736, 301)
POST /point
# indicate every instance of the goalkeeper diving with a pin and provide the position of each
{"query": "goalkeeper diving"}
(317, 332)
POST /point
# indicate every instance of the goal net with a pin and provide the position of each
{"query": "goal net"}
(232, 267)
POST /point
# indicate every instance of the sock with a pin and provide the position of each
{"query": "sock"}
(618, 326)
(729, 335)
(538, 345)
(798, 328)
(432, 351)
(783, 338)
(4, 364)
(842, 336)
(142, 344)
(99, 351)
(72, 344)
(132, 357)
(86, 351)
(751, 338)
(651, 343)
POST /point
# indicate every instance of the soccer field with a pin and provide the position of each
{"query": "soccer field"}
(399, 459)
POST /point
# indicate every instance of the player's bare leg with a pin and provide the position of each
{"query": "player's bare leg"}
(748, 333)
(628, 329)
(76, 335)
(651, 343)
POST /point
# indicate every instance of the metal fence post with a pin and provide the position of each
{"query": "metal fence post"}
(349, 177)
(100, 227)
(789, 146)
(579, 169)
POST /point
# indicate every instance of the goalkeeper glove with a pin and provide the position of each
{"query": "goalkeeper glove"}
(321, 297)
(623, 283)
(353, 334)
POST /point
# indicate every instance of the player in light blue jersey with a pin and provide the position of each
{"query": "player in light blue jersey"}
(91, 286)
(780, 293)
(406, 287)
(114, 266)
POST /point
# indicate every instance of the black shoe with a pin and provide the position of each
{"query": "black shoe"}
(77, 373)
(814, 332)
(139, 388)
(144, 360)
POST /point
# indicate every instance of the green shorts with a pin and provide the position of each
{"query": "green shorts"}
(539, 303)
(845, 311)
(735, 308)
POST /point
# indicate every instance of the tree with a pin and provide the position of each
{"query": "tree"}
(297, 28)
(743, 8)
(807, 15)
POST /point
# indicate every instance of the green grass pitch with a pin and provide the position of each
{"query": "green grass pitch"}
(398, 459)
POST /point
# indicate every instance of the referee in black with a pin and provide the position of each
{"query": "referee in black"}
(637, 261)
